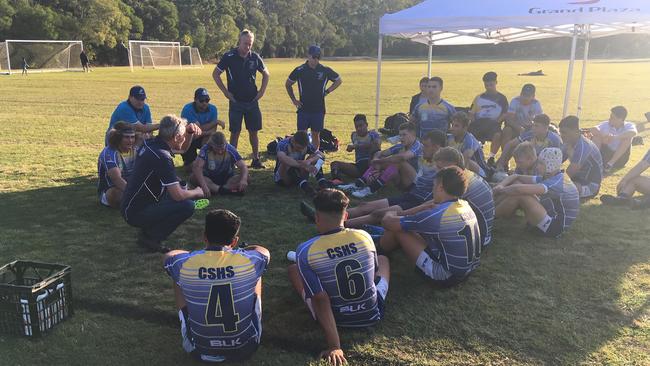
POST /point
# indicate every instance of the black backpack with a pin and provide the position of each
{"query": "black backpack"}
(392, 123)
(272, 147)
(328, 142)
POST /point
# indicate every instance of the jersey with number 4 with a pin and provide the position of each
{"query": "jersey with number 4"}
(219, 289)
(342, 263)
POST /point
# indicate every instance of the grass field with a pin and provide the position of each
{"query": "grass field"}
(583, 299)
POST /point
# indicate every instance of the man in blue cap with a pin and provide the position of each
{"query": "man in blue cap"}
(312, 78)
(203, 114)
(134, 110)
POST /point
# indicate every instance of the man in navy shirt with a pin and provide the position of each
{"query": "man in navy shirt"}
(134, 110)
(312, 78)
(153, 199)
(200, 112)
(241, 65)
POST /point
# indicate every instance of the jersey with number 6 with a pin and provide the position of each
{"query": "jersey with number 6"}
(342, 263)
(219, 289)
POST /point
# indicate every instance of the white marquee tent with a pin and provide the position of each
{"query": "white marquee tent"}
(443, 22)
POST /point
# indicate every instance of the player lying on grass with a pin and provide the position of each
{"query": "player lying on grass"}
(632, 182)
(115, 164)
(540, 136)
(614, 139)
(550, 200)
(218, 292)
(396, 165)
(443, 242)
(338, 274)
(364, 144)
(372, 212)
(585, 163)
(214, 170)
(467, 144)
(296, 161)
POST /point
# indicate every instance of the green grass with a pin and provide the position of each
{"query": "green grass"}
(583, 299)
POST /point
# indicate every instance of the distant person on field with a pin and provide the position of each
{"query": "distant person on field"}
(312, 78)
(632, 182)
(467, 144)
(85, 63)
(364, 143)
(24, 66)
(214, 170)
(115, 164)
(420, 97)
(296, 161)
(154, 200)
(614, 139)
(134, 110)
(487, 113)
(550, 200)
(205, 115)
(521, 112)
(241, 65)
(435, 112)
(585, 163)
(218, 292)
(339, 275)
(539, 135)
(444, 242)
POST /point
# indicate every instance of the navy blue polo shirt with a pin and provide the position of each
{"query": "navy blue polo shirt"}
(241, 73)
(153, 172)
(311, 85)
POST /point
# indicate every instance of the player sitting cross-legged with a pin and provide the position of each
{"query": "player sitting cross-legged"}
(298, 159)
(443, 242)
(338, 274)
(218, 292)
(214, 170)
(364, 143)
(632, 182)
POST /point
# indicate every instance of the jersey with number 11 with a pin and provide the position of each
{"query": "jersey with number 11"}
(219, 290)
(342, 263)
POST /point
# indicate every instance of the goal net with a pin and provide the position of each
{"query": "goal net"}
(190, 57)
(154, 54)
(40, 55)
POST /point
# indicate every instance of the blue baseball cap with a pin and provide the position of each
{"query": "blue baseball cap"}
(201, 93)
(314, 50)
(138, 92)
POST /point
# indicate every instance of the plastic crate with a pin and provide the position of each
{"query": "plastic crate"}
(34, 297)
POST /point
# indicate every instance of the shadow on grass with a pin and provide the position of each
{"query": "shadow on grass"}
(532, 300)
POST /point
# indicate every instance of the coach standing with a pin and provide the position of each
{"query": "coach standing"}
(312, 78)
(241, 65)
(154, 200)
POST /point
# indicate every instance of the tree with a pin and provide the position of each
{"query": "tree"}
(7, 13)
(159, 18)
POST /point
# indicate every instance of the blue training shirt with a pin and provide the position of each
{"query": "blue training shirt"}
(479, 196)
(561, 199)
(361, 154)
(552, 139)
(109, 159)
(470, 143)
(127, 113)
(416, 148)
(285, 147)
(219, 290)
(433, 116)
(192, 115)
(216, 165)
(452, 235)
(587, 155)
(343, 264)
(423, 184)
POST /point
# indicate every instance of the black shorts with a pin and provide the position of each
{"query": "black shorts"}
(484, 129)
(220, 179)
(362, 166)
(249, 112)
(554, 229)
(607, 154)
(406, 201)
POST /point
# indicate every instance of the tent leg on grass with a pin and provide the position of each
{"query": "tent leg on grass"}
(569, 78)
(585, 59)
(381, 38)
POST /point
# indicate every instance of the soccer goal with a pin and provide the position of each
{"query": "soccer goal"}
(154, 54)
(40, 55)
(190, 57)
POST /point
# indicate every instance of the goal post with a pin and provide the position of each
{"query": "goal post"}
(154, 54)
(190, 57)
(40, 55)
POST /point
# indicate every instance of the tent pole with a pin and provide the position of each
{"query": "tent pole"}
(584, 68)
(569, 79)
(430, 57)
(381, 38)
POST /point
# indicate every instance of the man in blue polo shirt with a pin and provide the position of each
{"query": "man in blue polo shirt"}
(134, 110)
(201, 112)
(312, 78)
(153, 199)
(241, 65)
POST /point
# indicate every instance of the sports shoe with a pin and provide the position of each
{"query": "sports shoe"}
(362, 193)
(347, 187)
(608, 199)
(640, 203)
(308, 211)
(257, 164)
(150, 245)
(291, 256)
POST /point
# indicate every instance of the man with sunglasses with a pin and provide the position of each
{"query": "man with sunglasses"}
(204, 114)
(134, 110)
(312, 78)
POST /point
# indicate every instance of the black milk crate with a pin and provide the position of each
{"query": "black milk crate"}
(34, 297)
